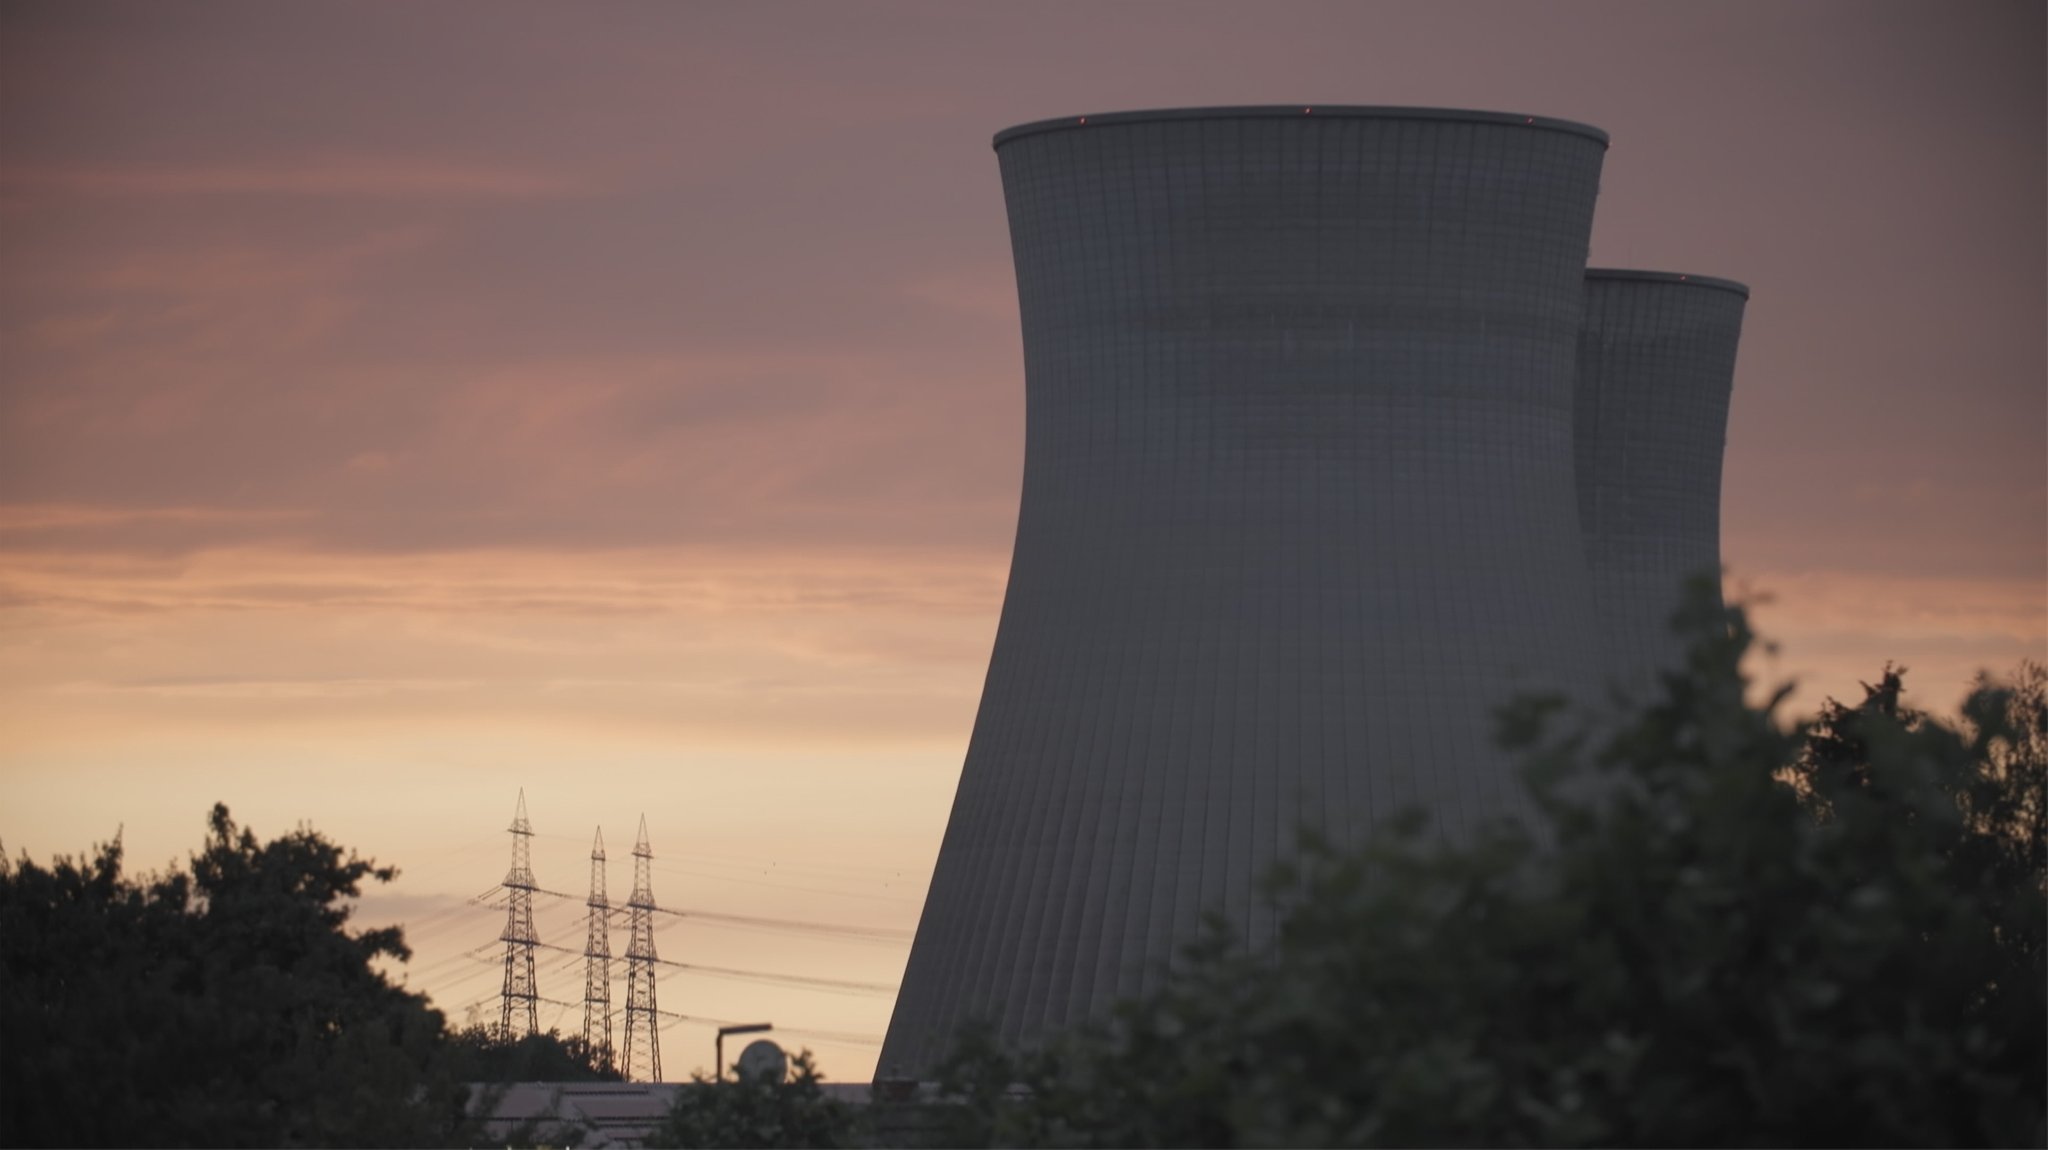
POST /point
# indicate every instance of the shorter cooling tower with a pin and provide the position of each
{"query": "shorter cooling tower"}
(1656, 363)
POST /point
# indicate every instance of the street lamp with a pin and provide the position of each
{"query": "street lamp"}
(719, 1047)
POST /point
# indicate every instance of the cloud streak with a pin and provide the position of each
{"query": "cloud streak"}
(376, 177)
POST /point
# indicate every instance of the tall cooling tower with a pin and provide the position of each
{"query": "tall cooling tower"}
(1656, 363)
(1298, 512)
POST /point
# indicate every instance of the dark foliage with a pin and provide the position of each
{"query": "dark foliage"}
(479, 1053)
(760, 1111)
(1686, 951)
(227, 1004)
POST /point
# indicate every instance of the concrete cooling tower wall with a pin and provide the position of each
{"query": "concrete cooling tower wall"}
(1298, 512)
(1656, 363)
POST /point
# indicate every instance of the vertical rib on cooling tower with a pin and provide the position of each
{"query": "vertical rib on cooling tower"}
(1298, 512)
(1656, 363)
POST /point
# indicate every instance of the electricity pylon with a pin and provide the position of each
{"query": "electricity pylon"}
(522, 992)
(643, 1037)
(597, 963)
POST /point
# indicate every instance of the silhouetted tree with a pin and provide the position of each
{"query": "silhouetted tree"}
(760, 1111)
(224, 1004)
(483, 1054)
(1685, 951)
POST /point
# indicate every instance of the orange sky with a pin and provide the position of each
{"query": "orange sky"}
(402, 406)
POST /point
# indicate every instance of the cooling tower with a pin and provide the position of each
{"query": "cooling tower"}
(1298, 512)
(1656, 362)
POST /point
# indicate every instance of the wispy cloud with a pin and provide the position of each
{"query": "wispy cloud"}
(231, 268)
(721, 581)
(264, 689)
(988, 292)
(23, 517)
(373, 177)
(1836, 629)
(718, 647)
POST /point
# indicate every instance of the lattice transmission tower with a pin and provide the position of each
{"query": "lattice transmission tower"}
(522, 993)
(597, 963)
(643, 1036)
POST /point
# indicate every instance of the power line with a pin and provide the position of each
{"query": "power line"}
(449, 962)
(862, 933)
(835, 869)
(851, 933)
(838, 985)
(793, 886)
(454, 989)
(846, 986)
(729, 860)
(794, 931)
(837, 893)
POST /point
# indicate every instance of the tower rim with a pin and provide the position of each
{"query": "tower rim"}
(1639, 275)
(1297, 112)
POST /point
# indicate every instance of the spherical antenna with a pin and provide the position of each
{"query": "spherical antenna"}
(763, 1059)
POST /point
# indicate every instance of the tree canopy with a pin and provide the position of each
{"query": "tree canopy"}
(760, 1111)
(483, 1053)
(1721, 932)
(223, 1004)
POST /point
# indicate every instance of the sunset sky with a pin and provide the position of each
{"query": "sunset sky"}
(404, 405)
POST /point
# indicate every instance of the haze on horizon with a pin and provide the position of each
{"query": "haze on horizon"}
(402, 406)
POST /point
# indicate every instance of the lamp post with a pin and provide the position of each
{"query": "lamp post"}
(719, 1046)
